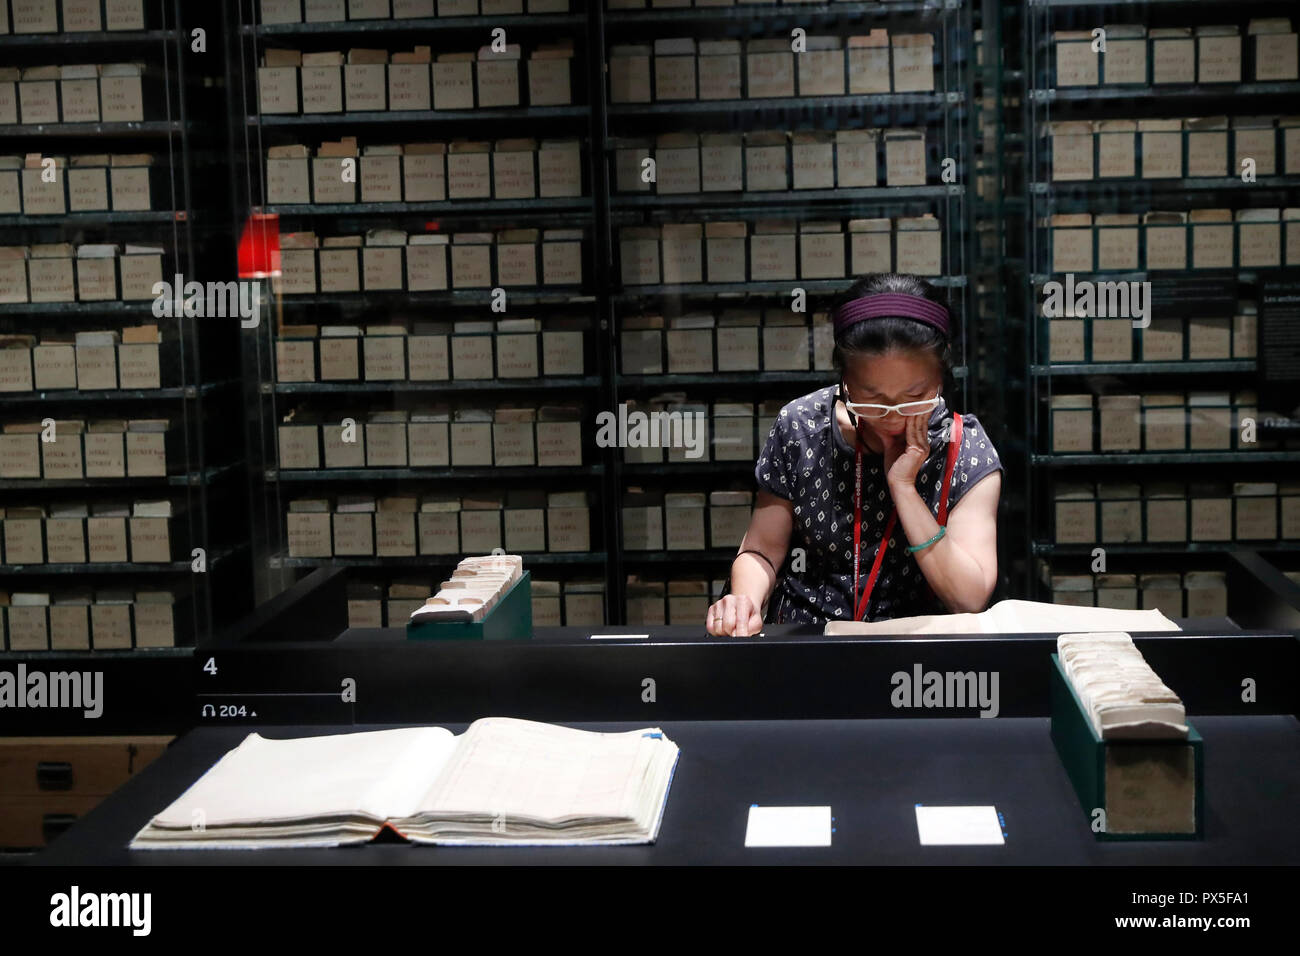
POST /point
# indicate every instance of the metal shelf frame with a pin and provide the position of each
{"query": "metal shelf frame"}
(1044, 103)
(946, 113)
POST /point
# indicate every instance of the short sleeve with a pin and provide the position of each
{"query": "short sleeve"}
(977, 459)
(773, 471)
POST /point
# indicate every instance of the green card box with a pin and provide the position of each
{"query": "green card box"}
(511, 619)
(1150, 789)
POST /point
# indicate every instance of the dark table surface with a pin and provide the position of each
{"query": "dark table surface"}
(871, 773)
(696, 634)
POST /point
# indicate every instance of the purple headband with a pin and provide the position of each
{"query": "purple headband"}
(891, 304)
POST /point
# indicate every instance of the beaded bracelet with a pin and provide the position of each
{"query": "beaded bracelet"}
(913, 548)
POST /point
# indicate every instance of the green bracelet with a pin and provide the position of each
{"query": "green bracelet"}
(913, 548)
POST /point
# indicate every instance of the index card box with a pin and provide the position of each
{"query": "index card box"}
(1112, 340)
(1072, 423)
(773, 254)
(471, 444)
(354, 534)
(1166, 513)
(410, 86)
(1076, 61)
(1211, 516)
(559, 443)
(1120, 422)
(428, 443)
(769, 69)
(1075, 514)
(525, 530)
(322, 85)
(674, 74)
(718, 69)
(1120, 508)
(63, 458)
(562, 352)
(299, 446)
(517, 355)
(105, 454)
(340, 269)
(151, 540)
(629, 74)
(913, 56)
(295, 359)
(513, 444)
(106, 539)
(737, 348)
(277, 88)
(498, 80)
(439, 532)
(683, 523)
(24, 539)
(339, 358)
(690, 350)
(395, 534)
(453, 82)
(340, 453)
(480, 529)
(568, 529)
(550, 81)
(384, 357)
(385, 444)
(1173, 55)
(643, 528)
(1148, 789)
(308, 534)
(785, 347)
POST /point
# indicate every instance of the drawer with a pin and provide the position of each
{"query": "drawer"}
(87, 766)
(34, 820)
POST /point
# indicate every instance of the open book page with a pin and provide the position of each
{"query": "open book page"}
(373, 774)
(511, 780)
(920, 624)
(523, 768)
(1013, 617)
(503, 781)
(1040, 617)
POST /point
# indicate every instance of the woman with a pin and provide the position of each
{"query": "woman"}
(884, 428)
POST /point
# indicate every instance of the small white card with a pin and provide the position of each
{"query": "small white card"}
(788, 826)
(959, 826)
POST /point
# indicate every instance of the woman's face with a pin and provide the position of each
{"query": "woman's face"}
(891, 379)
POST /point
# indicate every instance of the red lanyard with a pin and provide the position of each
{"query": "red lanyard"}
(860, 606)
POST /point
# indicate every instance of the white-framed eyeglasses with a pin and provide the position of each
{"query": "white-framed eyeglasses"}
(906, 409)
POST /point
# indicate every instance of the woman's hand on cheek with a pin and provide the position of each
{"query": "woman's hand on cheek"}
(908, 452)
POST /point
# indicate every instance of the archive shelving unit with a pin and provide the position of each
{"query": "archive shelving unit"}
(998, 268)
(602, 211)
(197, 355)
(1227, 295)
(268, 399)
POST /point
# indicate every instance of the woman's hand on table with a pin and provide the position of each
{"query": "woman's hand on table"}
(733, 616)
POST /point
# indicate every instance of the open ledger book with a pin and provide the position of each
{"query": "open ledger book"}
(1014, 617)
(502, 782)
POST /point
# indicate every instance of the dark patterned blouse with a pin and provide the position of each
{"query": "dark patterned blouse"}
(807, 461)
